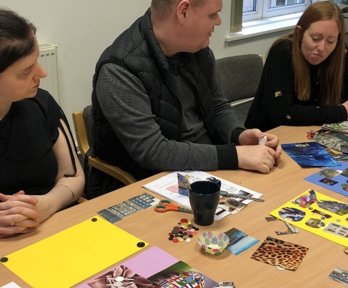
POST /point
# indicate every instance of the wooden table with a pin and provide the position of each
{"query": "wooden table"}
(278, 187)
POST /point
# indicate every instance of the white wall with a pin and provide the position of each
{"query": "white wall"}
(82, 29)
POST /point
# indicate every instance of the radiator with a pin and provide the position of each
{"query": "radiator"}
(48, 60)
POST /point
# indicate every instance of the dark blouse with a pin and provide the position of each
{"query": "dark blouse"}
(276, 102)
(27, 134)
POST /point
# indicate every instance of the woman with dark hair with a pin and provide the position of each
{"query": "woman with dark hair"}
(303, 81)
(39, 169)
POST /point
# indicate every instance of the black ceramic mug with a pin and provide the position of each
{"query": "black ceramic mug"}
(204, 198)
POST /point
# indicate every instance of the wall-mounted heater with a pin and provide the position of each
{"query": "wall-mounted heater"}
(48, 60)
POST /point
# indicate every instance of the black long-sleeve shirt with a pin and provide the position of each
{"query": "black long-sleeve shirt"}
(276, 102)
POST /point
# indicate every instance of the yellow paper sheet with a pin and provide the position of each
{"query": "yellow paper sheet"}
(307, 217)
(73, 255)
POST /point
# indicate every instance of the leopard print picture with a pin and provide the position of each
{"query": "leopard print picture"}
(284, 255)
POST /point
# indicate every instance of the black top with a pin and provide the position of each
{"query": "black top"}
(27, 134)
(276, 102)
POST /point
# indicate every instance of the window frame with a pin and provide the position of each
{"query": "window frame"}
(262, 11)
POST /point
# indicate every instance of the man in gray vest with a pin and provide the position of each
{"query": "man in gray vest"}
(158, 103)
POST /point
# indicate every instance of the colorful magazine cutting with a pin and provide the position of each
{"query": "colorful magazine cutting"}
(280, 253)
(239, 241)
(168, 186)
(341, 127)
(161, 270)
(333, 178)
(317, 213)
(309, 154)
(335, 141)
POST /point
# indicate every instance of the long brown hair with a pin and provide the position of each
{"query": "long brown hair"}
(330, 74)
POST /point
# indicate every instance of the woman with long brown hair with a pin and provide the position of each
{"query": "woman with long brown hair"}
(305, 73)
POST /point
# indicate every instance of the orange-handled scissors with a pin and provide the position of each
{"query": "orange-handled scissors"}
(167, 205)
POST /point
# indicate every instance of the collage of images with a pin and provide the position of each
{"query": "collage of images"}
(163, 270)
(317, 213)
(334, 178)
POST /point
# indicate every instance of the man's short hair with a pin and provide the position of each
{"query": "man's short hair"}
(165, 6)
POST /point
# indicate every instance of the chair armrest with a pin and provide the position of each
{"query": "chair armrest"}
(111, 170)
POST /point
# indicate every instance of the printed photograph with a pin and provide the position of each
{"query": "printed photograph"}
(289, 213)
(309, 154)
(120, 276)
(279, 253)
(328, 181)
(181, 275)
(315, 223)
(330, 173)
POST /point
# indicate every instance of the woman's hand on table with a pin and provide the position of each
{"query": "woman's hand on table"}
(18, 214)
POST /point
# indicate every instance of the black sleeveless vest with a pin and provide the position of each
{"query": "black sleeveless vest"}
(138, 51)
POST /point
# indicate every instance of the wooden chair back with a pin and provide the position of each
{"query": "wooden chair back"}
(82, 136)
